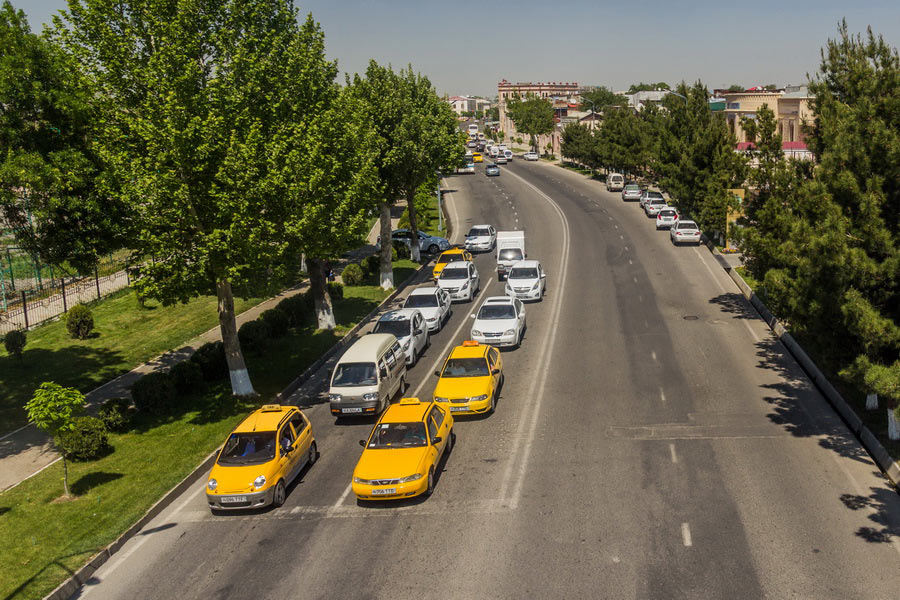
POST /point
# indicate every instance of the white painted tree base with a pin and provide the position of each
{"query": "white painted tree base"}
(240, 383)
(893, 425)
(325, 319)
(872, 402)
(387, 280)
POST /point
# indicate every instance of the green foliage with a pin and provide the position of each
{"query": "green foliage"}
(352, 274)
(86, 440)
(577, 143)
(211, 358)
(648, 87)
(277, 320)
(532, 116)
(601, 97)
(187, 377)
(254, 336)
(14, 342)
(53, 407)
(736, 88)
(335, 290)
(116, 414)
(296, 308)
(370, 264)
(154, 393)
(79, 321)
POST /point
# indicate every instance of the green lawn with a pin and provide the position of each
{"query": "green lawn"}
(42, 542)
(125, 336)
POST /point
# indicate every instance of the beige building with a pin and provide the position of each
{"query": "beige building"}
(790, 105)
(563, 95)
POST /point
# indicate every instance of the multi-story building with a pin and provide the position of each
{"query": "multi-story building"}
(563, 95)
(464, 104)
(789, 104)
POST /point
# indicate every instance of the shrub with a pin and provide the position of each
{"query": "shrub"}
(211, 359)
(372, 264)
(336, 291)
(394, 253)
(14, 342)
(295, 309)
(403, 223)
(277, 320)
(187, 377)
(87, 440)
(254, 336)
(401, 250)
(154, 393)
(116, 414)
(352, 274)
(79, 321)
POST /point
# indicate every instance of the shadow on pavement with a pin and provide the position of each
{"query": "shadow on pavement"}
(882, 502)
(735, 304)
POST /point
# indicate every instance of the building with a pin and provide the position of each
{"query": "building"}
(639, 100)
(790, 105)
(468, 104)
(564, 96)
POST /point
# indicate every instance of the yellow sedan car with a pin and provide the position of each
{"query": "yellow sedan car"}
(260, 458)
(402, 453)
(470, 379)
(477, 157)
(449, 256)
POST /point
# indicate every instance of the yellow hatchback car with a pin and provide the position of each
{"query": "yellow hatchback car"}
(471, 379)
(402, 453)
(449, 256)
(260, 458)
(477, 157)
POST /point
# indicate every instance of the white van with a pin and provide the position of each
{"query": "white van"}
(615, 182)
(368, 376)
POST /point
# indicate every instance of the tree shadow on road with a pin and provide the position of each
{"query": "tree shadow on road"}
(882, 502)
(735, 304)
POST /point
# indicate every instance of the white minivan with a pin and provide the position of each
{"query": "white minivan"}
(615, 182)
(368, 376)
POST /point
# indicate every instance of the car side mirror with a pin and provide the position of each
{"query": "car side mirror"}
(437, 373)
(543, 276)
(362, 443)
(437, 440)
(419, 331)
(495, 371)
(472, 316)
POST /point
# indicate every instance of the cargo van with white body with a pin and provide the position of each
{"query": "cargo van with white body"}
(510, 250)
(369, 374)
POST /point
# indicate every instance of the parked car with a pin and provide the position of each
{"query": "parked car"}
(531, 156)
(481, 237)
(685, 231)
(460, 280)
(492, 171)
(469, 167)
(408, 326)
(526, 280)
(666, 218)
(433, 303)
(499, 322)
(615, 182)
(648, 195)
(653, 207)
(428, 243)
(631, 191)
(500, 159)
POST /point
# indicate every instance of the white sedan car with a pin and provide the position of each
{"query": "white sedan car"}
(531, 156)
(408, 326)
(481, 237)
(500, 322)
(433, 303)
(685, 231)
(667, 218)
(460, 280)
(526, 280)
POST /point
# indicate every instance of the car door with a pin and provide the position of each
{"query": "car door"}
(287, 452)
(442, 425)
(444, 301)
(398, 367)
(494, 362)
(543, 277)
(473, 275)
(520, 312)
(303, 440)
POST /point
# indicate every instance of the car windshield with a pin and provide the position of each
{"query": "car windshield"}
(421, 301)
(479, 232)
(657, 202)
(448, 258)
(510, 254)
(353, 374)
(396, 328)
(466, 367)
(523, 273)
(454, 273)
(497, 311)
(398, 435)
(254, 448)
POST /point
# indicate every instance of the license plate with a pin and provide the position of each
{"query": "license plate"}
(351, 410)
(384, 491)
(458, 408)
(232, 499)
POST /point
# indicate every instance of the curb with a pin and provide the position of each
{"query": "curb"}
(83, 575)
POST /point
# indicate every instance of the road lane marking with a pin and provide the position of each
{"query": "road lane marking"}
(686, 535)
(452, 207)
(340, 501)
(629, 262)
(635, 279)
(653, 354)
(662, 395)
(626, 248)
(725, 291)
(622, 237)
(672, 454)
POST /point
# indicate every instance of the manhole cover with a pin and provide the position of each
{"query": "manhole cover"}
(690, 317)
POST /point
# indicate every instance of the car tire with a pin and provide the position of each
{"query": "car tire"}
(313, 455)
(452, 442)
(279, 495)
(433, 249)
(430, 489)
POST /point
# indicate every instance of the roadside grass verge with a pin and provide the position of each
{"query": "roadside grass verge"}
(125, 335)
(42, 542)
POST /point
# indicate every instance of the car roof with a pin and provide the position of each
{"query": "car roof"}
(498, 300)
(404, 412)
(368, 345)
(458, 264)
(428, 290)
(469, 351)
(526, 264)
(483, 225)
(267, 418)
(400, 314)
(454, 251)
(683, 223)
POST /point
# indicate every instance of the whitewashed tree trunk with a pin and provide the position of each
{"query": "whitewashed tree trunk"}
(321, 298)
(414, 250)
(872, 402)
(893, 424)
(387, 267)
(237, 370)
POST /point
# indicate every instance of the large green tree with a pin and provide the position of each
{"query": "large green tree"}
(199, 104)
(532, 116)
(601, 97)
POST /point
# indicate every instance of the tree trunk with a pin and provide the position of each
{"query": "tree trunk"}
(387, 268)
(893, 424)
(534, 145)
(321, 297)
(237, 370)
(303, 262)
(871, 401)
(65, 474)
(414, 251)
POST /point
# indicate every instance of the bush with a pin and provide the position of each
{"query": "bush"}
(352, 274)
(116, 414)
(86, 441)
(394, 253)
(211, 359)
(254, 336)
(154, 393)
(295, 309)
(277, 320)
(336, 291)
(401, 250)
(79, 321)
(14, 342)
(403, 223)
(187, 377)
(372, 264)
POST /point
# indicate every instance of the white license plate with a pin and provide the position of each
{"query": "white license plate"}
(458, 408)
(351, 410)
(384, 491)
(232, 499)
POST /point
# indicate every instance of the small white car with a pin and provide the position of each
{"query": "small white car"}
(433, 303)
(481, 238)
(469, 168)
(508, 154)
(648, 195)
(666, 218)
(526, 280)
(460, 280)
(500, 322)
(408, 326)
(500, 159)
(685, 231)
(531, 156)
(653, 207)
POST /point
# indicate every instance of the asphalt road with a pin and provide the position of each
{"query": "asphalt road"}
(651, 441)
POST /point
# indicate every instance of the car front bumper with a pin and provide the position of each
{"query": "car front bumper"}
(474, 407)
(354, 408)
(495, 340)
(529, 295)
(394, 491)
(465, 294)
(242, 501)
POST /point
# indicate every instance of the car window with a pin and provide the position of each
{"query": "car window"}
(438, 415)
(286, 437)
(353, 374)
(421, 301)
(518, 306)
(494, 355)
(398, 351)
(398, 435)
(299, 423)
(454, 273)
(396, 328)
(389, 356)
(466, 367)
(432, 430)
(249, 448)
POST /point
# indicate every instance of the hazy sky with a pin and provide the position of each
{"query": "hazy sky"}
(466, 47)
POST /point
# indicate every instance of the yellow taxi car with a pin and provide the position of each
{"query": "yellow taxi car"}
(477, 157)
(449, 256)
(470, 379)
(400, 457)
(260, 458)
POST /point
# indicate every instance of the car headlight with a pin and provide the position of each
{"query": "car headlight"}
(334, 397)
(370, 396)
(360, 480)
(465, 285)
(406, 345)
(440, 399)
(212, 484)
(478, 398)
(432, 319)
(259, 481)
(476, 332)
(535, 286)
(415, 477)
(509, 332)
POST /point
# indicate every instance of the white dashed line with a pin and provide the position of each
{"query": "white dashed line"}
(672, 454)
(635, 279)
(662, 396)
(686, 535)
(629, 262)
(653, 355)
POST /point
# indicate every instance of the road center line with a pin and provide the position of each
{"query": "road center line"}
(672, 454)
(662, 395)
(686, 535)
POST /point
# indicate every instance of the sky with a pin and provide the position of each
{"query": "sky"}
(466, 47)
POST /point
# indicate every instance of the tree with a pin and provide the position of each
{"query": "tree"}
(735, 87)
(532, 116)
(14, 342)
(648, 87)
(53, 408)
(50, 195)
(601, 97)
(493, 113)
(576, 142)
(195, 100)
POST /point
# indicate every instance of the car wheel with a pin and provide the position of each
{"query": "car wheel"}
(313, 454)
(433, 249)
(452, 441)
(430, 489)
(279, 496)
(493, 402)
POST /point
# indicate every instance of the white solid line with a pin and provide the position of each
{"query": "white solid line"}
(662, 395)
(686, 535)
(653, 354)
(629, 262)
(722, 287)
(616, 226)
(453, 208)
(672, 453)
(465, 321)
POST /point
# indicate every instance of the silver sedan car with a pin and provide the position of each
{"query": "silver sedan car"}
(631, 191)
(653, 207)
(648, 195)
(685, 231)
